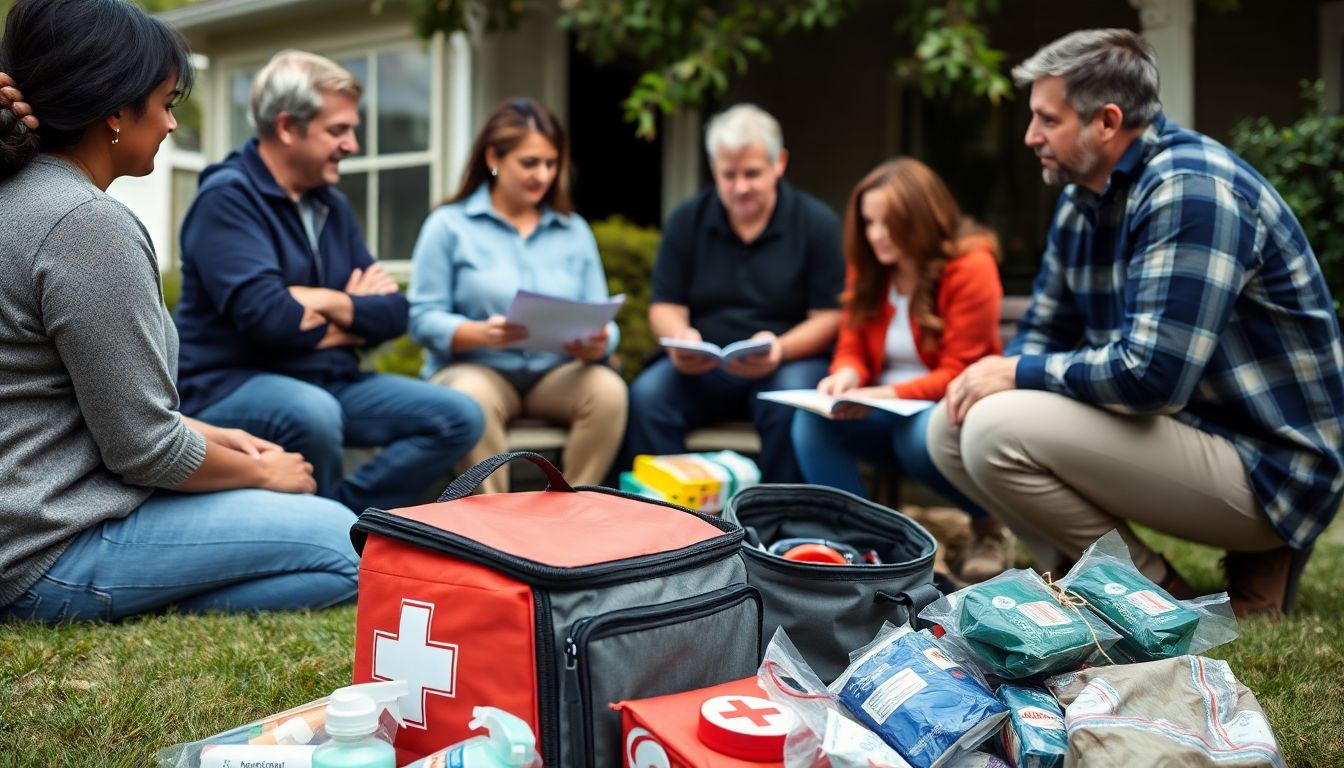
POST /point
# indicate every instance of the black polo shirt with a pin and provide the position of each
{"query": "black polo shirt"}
(735, 289)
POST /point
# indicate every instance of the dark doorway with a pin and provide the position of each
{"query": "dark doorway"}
(614, 172)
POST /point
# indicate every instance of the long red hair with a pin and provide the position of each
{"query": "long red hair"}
(926, 223)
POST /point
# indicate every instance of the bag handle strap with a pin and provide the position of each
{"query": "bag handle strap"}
(913, 600)
(467, 482)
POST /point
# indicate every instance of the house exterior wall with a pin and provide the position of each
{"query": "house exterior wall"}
(465, 79)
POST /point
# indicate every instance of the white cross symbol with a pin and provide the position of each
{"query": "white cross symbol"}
(426, 666)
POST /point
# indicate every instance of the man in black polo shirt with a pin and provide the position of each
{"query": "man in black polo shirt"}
(751, 258)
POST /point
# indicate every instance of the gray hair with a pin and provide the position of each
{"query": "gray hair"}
(293, 82)
(1100, 67)
(741, 126)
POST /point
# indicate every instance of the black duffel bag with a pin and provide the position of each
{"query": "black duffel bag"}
(830, 610)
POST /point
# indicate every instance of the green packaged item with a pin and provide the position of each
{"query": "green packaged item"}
(1033, 736)
(1017, 626)
(1151, 623)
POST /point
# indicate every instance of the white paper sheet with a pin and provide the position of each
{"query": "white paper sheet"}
(811, 400)
(553, 322)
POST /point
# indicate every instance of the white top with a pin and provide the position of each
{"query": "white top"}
(902, 361)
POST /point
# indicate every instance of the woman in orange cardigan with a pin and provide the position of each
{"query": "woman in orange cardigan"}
(921, 303)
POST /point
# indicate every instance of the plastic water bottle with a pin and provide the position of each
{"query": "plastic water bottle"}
(352, 721)
(510, 743)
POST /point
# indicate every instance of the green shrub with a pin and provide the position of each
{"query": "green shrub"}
(172, 288)
(628, 251)
(1305, 163)
(400, 355)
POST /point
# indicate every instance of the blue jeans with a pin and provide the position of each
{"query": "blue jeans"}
(423, 430)
(828, 452)
(666, 404)
(247, 550)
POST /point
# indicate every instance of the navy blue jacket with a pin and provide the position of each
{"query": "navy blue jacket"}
(243, 245)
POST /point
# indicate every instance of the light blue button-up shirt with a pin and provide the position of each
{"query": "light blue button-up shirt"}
(469, 262)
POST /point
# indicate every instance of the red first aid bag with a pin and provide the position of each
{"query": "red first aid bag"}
(669, 731)
(549, 605)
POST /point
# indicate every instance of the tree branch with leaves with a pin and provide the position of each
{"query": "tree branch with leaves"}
(690, 49)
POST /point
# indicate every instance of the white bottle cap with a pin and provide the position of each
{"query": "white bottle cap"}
(351, 714)
(295, 730)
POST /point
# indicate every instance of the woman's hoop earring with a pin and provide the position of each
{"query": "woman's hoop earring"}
(494, 171)
(117, 137)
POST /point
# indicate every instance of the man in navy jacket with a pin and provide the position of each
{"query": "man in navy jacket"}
(279, 291)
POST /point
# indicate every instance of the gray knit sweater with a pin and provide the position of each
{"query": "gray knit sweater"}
(88, 407)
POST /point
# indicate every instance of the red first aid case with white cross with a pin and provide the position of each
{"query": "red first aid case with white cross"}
(549, 605)
(691, 729)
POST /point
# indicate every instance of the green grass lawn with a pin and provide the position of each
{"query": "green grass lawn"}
(114, 694)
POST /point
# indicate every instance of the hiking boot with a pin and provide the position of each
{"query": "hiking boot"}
(1264, 583)
(990, 553)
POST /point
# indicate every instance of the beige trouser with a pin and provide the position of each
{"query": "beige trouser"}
(590, 398)
(1062, 473)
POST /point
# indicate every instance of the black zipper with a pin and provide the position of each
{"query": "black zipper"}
(586, 630)
(548, 705)
(537, 574)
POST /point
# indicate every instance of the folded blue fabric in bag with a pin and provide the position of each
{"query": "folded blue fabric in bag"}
(919, 701)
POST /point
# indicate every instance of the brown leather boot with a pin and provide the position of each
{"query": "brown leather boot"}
(990, 552)
(1264, 583)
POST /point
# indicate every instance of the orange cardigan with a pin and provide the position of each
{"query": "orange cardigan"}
(969, 300)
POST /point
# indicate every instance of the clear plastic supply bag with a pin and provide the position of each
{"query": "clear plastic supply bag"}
(1034, 734)
(920, 701)
(824, 735)
(1152, 624)
(271, 738)
(1017, 626)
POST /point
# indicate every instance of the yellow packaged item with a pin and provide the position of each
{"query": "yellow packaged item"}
(701, 481)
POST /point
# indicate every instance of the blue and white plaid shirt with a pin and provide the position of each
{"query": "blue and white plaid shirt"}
(1187, 288)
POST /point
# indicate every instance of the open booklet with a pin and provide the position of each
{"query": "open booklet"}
(553, 322)
(814, 401)
(734, 351)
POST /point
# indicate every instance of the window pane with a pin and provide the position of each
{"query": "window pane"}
(359, 67)
(403, 101)
(356, 187)
(403, 204)
(240, 85)
(184, 183)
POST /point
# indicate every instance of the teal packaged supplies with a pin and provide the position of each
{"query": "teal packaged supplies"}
(917, 699)
(1151, 623)
(1033, 736)
(1019, 627)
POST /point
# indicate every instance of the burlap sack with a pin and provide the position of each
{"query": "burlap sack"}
(1186, 711)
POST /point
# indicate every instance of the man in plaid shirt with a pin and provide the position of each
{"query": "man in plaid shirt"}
(1180, 364)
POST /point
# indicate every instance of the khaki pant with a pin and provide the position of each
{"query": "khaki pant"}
(1062, 473)
(590, 398)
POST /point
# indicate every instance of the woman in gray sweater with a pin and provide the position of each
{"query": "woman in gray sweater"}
(111, 502)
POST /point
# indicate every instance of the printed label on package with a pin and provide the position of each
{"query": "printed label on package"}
(1044, 613)
(939, 659)
(1150, 602)
(889, 696)
(1040, 718)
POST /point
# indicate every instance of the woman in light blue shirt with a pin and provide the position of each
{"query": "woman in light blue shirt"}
(511, 226)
